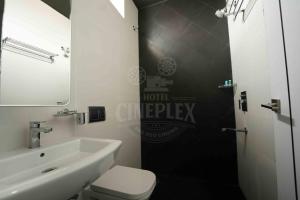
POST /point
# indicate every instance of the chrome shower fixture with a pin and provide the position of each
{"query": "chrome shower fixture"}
(221, 13)
(230, 9)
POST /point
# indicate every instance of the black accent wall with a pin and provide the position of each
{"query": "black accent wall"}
(146, 3)
(61, 6)
(185, 35)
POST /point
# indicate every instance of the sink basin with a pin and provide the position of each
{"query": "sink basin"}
(57, 171)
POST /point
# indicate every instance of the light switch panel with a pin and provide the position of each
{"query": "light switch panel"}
(96, 114)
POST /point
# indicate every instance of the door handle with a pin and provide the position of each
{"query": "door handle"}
(275, 105)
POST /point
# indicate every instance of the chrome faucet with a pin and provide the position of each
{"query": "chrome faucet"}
(35, 134)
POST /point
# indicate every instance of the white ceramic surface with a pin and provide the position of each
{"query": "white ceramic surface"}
(121, 183)
(77, 162)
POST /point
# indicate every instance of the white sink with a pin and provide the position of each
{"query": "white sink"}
(57, 171)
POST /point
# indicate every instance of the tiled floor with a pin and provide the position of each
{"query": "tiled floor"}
(189, 189)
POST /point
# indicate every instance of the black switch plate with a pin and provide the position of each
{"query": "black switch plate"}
(243, 101)
(96, 114)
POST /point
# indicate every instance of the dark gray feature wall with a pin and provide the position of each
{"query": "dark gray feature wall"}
(186, 36)
(61, 6)
(147, 3)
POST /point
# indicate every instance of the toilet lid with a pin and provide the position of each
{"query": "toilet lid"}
(126, 183)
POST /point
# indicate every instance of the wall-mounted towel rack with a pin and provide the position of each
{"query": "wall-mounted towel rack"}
(238, 7)
(235, 7)
(231, 5)
(248, 9)
(24, 49)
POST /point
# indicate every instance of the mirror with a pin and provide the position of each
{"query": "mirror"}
(35, 52)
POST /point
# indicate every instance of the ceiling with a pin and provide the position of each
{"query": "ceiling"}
(61, 6)
(145, 3)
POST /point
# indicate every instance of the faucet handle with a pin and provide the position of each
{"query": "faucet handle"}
(36, 124)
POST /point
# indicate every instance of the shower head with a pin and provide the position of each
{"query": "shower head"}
(225, 12)
(221, 13)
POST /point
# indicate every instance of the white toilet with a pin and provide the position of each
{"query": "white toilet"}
(122, 183)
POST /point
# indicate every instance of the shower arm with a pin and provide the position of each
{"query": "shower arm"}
(245, 130)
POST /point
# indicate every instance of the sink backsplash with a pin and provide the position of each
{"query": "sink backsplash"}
(14, 125)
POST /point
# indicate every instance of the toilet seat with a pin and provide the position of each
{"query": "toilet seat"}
(126, 183)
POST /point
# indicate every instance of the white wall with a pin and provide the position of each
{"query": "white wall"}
(256, 151)
(104, 50)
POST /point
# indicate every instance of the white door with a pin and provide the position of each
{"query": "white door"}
(290, 10)
(265, 155)
(282, 19)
